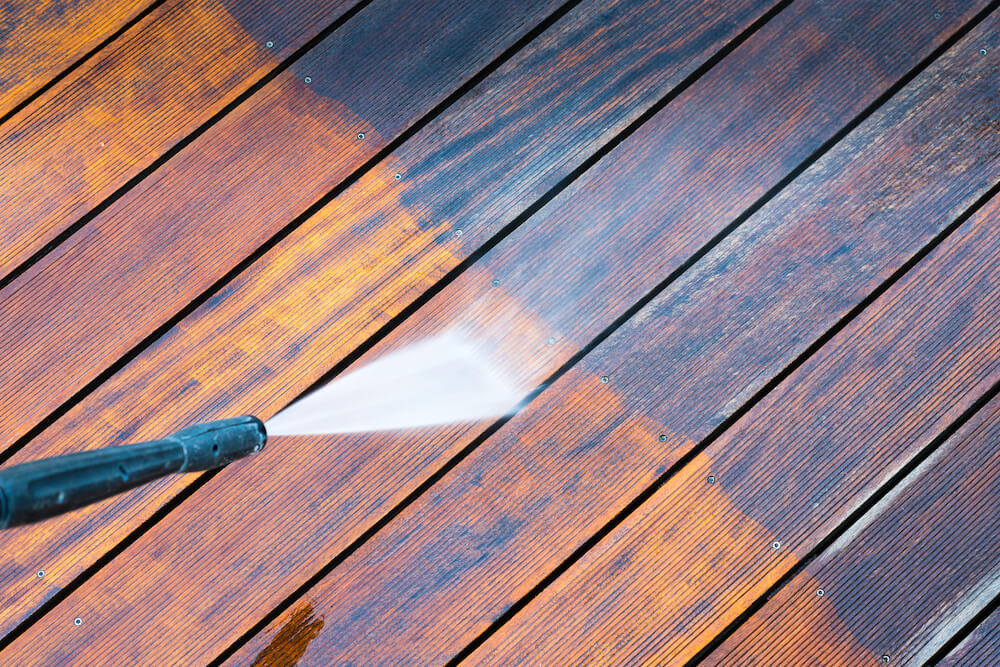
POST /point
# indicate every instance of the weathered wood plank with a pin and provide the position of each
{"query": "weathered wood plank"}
(39, 39)
(128, 105)
(494, 526)
(306, 305)
(980, 649)
(338, 487)
(906, 576)
(204, 211)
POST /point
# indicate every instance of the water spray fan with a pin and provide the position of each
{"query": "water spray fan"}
(41, 489)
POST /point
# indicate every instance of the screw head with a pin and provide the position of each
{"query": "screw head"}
(604, 379)
(77, 621)
(269, 45)
(458, 232)
(663, 437)
(551, 340)
(776, 545)
(308, 79)
(398, 176)
(820, 592)
(41, 573)
(361, 135)
(982, 52)
(711, 479)
(885, 658)
(495, 282)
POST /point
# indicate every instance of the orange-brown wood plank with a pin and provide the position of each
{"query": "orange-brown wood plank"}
(305, 306)
(494, 526)
(308, 499)
(981, 648)
(907, 575)
(133, 101)
(40, 39)
(133, 267)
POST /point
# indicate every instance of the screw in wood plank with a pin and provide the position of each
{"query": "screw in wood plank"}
(937, 15)
(820, 592)
(982, 52)
(41, 573)
(77, 621)
(776, 545)
(398, 176)
(495, 282)
(885, 658)
(711, 479)
(269, 45)
(663, 437)
(551, 340)
(361, 135)
(308, 79)
(605, 379)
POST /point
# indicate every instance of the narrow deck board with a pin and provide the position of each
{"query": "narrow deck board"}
(980, 649)
(884, 588)
(127, 272)
(306, 305)
(491, 528)
(127, 106)
(39, 39)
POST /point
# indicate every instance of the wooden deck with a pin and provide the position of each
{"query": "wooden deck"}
(743, 254)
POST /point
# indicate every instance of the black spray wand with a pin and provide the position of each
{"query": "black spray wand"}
(38, 490)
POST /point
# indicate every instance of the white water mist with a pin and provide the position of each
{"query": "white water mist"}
(441, 380)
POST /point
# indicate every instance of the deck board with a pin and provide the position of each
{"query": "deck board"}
(169, 239)
(894, 554)
(42, 39)
(746, 250)
(980, 649)
(115, 116)
(506, 516)
(312, 316)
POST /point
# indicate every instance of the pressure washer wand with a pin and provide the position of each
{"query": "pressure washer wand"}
(41, 489)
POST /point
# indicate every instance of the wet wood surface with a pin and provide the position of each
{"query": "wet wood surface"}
(852, 593)
(566, 211)
(108, 120)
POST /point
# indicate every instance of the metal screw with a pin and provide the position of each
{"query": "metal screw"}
(77, 621)
(885, 658)
(308, 79)
(663, 437)
(776, 545)
(269, 45)
(604, 379)
(982, 52)
(711, 479)
(551, 340)
(820, 592)
(41, 573)
(937, 15)
(361, 135)
(458, 232)
(398, 176)
(495, 282)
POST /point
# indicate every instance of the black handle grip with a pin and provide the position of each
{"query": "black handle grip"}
(41, 489)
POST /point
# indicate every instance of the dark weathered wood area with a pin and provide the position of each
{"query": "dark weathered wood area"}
(743, 256)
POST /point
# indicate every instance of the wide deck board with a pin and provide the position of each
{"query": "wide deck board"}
(133, 267)
(43, 39)
(981, 648)
(618, 211)
(116, 115)
(853, 593)
(496, 524)
(312, 316)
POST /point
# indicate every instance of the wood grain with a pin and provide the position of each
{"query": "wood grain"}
(313, 500)
(981, 648)
(525, 499)
(129, 270)
(359, 261)
(39, 39)
(905, 577)
(128, 105)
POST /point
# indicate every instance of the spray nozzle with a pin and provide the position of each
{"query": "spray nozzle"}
(38, 490)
